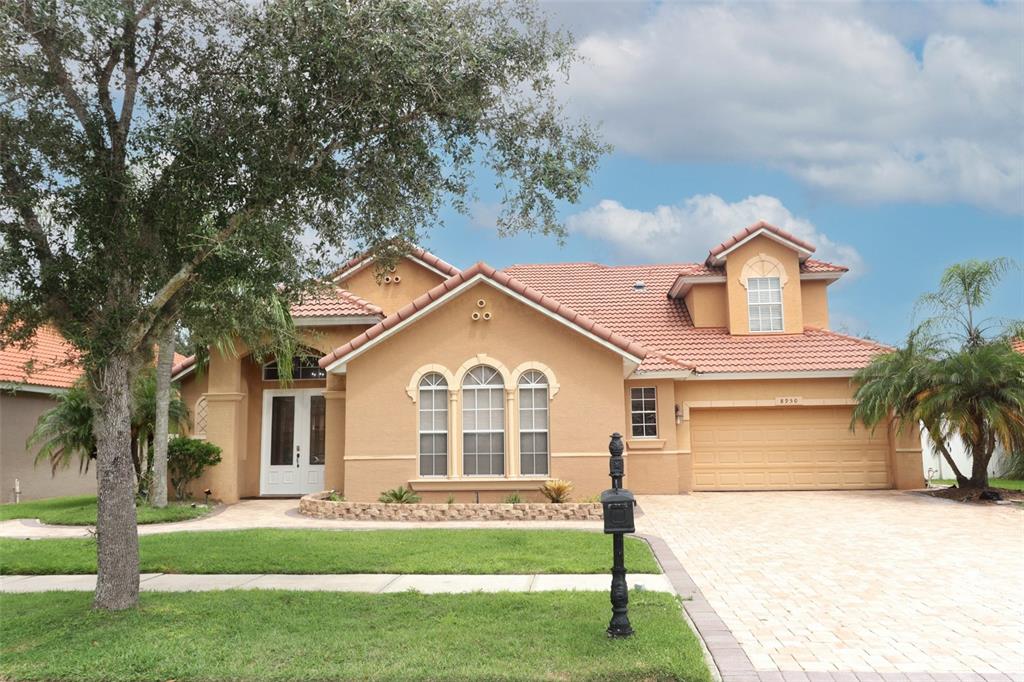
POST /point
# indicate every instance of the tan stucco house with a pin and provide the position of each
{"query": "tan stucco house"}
(477, 383)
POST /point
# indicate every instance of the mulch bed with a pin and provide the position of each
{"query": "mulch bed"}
(978, 495)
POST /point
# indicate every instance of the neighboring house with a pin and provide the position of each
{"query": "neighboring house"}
(935, 465)
(30, 380)
(475, 384)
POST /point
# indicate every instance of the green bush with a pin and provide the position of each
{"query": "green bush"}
(513, 499)
(399, 495)
(187, 458)
(335, 496)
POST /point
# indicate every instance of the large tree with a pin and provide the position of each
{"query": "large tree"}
(957, 374)
(164, 157)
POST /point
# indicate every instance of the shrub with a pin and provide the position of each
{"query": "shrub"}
(399, 495)
(451, 498)
(591, 498)
(187, 458)
(513, 499)
(335, 496)
(557, 490)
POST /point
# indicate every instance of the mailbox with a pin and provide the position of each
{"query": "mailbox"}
(618, 511)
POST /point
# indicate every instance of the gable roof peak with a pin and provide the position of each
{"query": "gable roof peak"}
(414, 252)
(717, 255)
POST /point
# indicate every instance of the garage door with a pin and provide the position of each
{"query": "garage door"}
(790, 448)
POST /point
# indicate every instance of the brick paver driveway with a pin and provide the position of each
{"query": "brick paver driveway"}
(875, 582)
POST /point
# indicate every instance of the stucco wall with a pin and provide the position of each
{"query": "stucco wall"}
(792, 311)
(381, 419)
(414, 280)
(815, 302)
(19, 414)
(708, 305)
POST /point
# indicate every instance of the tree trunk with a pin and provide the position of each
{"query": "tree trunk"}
(980, 458)
(165, 362)
(117, 546)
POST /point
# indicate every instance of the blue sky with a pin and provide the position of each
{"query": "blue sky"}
(888, 135)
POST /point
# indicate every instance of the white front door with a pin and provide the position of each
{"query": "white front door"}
(293, 441)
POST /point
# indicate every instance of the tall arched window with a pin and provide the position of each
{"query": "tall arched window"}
(199, 418)
(433, 425)
(483, 422)
(533, 424)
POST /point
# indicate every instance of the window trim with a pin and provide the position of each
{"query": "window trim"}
(547, 413)
(443, 388)
(657, 428)
(751, 306)
(302, 353)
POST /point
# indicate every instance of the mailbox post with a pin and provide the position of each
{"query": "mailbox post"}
(617, 507)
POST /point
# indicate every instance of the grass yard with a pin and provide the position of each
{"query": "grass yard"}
(237, 635)
(1005, 483)
(81, 511)
(327, 551)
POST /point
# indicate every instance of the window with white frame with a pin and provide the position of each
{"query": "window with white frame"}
(483, 422)
(764, 304)
(643, 407)
(533, 423)
(433, 425)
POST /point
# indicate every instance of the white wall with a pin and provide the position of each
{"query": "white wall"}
(933, 461)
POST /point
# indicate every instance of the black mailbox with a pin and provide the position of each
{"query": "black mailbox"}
(618, 511)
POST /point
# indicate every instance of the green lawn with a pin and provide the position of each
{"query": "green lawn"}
(1007, 483)
(81, 511)
(327, 551)
(241, 635)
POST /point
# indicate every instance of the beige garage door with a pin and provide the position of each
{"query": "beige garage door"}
(789, 448)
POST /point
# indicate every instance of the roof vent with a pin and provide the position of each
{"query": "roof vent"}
(639, 285)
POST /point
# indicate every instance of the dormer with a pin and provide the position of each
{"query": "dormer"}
(761, 280)
(410, 277)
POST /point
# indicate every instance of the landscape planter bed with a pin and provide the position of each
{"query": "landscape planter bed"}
(317, 506)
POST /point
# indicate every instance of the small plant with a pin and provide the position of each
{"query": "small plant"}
(187, 458)
(399, 495)
(513, 499)
(591, 498)
(556, 490)
(335, 496)
(451, 498)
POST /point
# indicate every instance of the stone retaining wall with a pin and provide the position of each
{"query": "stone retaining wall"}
(315, 505)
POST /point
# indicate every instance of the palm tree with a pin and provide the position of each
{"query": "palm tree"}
(65, 432)
(953, 375)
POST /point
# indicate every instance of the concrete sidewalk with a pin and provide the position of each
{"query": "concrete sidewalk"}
(374, 583)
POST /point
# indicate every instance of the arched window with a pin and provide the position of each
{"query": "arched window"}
(199, 418)
(483, 422)
(433, 425)
(305, 365)
(533, 424)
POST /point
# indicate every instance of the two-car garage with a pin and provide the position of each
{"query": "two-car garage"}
(786, 448)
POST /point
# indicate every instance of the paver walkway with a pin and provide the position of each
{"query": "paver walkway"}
(271, 513)
(374, 582)
(868, 582)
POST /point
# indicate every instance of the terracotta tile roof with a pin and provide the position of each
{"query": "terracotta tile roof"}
(809, 266)
(746, 232)
(504, 279)
(416, 252)
(334, 302)
(48, 361)
(182, 365)
(1017, 345)
(663, 326)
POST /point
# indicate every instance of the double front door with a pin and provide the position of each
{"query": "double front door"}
(294, 422)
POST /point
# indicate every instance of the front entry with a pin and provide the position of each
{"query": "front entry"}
(292, 460)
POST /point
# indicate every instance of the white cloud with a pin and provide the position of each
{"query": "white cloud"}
(686, 231)
(830, 93)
